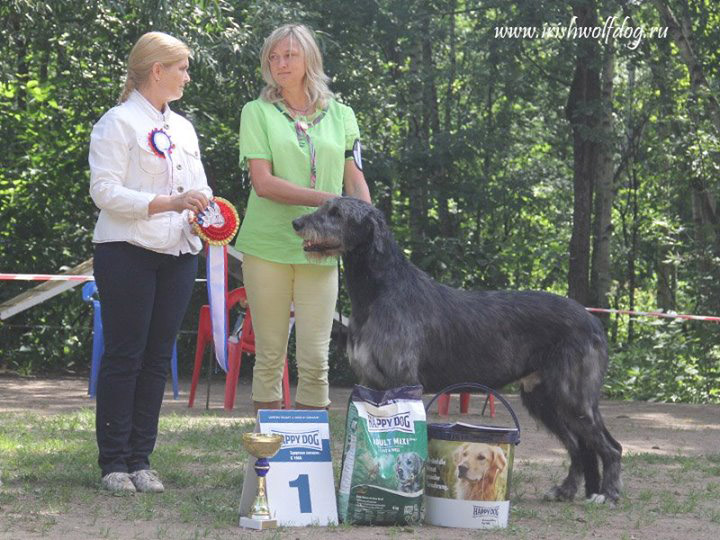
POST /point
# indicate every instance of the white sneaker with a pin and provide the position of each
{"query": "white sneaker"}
(147, 481)
(118, 482)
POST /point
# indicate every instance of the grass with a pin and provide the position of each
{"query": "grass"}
(48, 472)
(47, 467)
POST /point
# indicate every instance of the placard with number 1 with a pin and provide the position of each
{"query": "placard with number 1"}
(300, 486)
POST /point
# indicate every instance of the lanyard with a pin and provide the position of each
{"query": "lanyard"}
(302, 131)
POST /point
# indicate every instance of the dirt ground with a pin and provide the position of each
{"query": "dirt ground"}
(647, 428)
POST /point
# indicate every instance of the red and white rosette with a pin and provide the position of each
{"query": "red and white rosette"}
(217, 225)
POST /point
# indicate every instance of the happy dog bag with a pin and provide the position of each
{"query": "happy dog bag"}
(383, 466)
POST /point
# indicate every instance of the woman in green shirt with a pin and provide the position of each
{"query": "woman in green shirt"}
(301, 148)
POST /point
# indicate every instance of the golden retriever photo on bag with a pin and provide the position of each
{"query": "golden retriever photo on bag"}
(478, 467)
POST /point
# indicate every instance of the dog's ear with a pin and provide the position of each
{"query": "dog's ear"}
(376, 231)
(499, 459)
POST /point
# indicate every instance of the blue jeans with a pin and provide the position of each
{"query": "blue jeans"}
(143, 298)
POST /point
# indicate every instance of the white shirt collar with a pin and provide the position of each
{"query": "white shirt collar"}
(149, 108)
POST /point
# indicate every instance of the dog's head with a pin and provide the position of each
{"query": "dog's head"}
(340, 226)
(408, 467)
(479, 462)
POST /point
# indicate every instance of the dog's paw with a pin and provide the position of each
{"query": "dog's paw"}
(557, 493)
(600, 498)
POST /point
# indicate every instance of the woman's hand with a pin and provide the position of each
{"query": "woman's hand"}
(192, 200)
(268, 186)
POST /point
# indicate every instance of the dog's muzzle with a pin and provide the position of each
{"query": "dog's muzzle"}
(462, 471)
(315, 245)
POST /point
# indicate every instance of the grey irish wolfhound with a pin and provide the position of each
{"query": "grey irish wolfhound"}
(407, 329)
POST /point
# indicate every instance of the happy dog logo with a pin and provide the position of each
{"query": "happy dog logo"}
(399, 422)
(303, 439)
(486, 511)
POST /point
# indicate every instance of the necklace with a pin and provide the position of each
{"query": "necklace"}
(297, 111)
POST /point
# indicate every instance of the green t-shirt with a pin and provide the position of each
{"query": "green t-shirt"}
(267, 133)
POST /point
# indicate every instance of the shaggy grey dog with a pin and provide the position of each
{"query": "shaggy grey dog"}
(407, 329)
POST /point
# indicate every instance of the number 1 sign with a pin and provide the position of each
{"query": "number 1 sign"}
(300, 486)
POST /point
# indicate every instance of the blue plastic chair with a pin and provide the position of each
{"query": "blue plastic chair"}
(88, 292)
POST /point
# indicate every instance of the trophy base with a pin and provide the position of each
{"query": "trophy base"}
(258, 524)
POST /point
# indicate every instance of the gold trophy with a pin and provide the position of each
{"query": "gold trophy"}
(262, 446)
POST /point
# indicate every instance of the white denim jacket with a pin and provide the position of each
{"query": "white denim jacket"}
(126, 175)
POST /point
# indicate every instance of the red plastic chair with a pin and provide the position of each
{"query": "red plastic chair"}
(235, 350)
(444, 404)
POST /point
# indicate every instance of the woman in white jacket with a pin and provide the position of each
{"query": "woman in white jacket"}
(146, 177)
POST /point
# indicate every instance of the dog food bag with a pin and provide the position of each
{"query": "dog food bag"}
(383, 466)
(469, 470)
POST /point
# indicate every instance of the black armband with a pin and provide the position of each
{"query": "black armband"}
(356, 154)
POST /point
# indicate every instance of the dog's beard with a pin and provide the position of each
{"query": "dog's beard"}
(322, 255)
(318, 248)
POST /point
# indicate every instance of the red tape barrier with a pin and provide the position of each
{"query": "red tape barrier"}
(45, 277)
(51, 277)
(656, 314)
(670, 315)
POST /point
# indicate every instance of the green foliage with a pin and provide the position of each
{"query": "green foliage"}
(668, 362)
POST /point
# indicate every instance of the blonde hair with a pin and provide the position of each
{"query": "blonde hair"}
(152, 47)
(315, 82)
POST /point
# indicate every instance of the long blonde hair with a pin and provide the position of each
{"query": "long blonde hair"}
(150, 48)
(315, 82)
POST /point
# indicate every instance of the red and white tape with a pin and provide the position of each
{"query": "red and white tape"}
(656, 314)
(45, 277)
(66, 277)
(53, 277)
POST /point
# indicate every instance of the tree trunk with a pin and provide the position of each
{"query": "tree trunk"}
(416, 188)
(452, 69)
(438, 172)
(632, 255)
(666, 281)
(448, 223)
(582, 112)
(600, 275)
(22, 68)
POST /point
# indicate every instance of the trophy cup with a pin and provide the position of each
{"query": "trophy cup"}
(261, 446)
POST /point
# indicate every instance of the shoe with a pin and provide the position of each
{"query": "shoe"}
(118, 482)
(147, 481)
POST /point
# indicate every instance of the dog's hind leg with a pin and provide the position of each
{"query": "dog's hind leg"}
(575, 398)
(591, 469)
(593, 432)
(541, 405)
(610, 452)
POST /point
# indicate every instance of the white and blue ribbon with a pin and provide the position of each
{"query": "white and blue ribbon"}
(162, 146)
(217, 293)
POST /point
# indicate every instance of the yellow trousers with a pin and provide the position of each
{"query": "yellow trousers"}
(272, 288)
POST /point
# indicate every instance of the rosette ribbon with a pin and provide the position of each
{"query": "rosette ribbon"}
(162, 146)
(217, 225)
